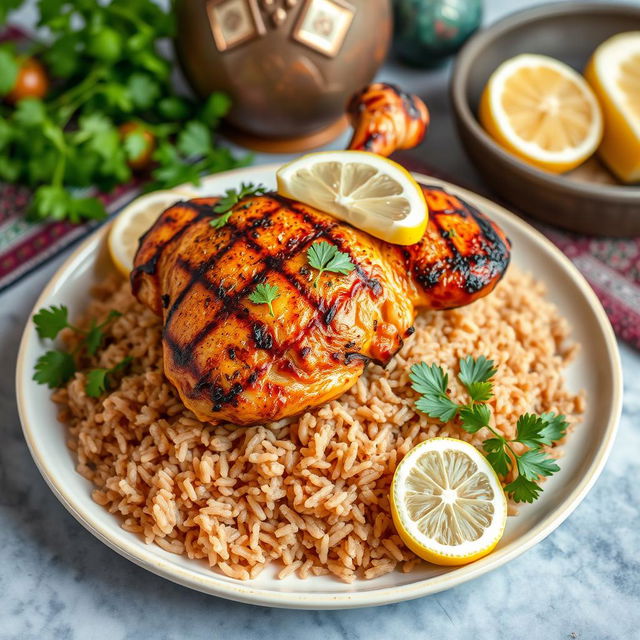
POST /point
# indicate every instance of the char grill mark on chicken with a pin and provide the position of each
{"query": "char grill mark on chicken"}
(231, 361)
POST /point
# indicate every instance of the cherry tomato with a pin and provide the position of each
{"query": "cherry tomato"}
(32, 82)
(143, 159)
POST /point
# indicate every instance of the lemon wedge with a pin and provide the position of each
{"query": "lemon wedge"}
(134, 220)
(447, 502)
(614, 74)
(366, 190)
(542, 111)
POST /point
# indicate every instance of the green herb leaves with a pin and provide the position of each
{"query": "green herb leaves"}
(265, 294)
(324, 256)
(532, 431)
(56, 367)
(431, 382)
(231, 198)
(50, 322)
(98, 379)
(108, 72)
(8, 70)
(475, 375)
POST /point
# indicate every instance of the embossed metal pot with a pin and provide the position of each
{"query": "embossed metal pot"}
(289, 66)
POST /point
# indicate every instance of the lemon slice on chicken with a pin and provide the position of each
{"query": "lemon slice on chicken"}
(134, 220)
(447, 503)
(366, 190)
(542, 111)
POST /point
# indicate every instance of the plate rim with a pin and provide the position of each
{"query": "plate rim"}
(243, 591)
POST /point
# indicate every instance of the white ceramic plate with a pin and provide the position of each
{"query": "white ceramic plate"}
(597, 370)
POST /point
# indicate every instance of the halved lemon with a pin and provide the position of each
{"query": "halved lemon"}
(134, 220)
(366, 190)
(542, 111)
(614, 74)
(447, 503)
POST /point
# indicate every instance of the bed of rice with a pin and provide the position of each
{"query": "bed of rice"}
(309, 493)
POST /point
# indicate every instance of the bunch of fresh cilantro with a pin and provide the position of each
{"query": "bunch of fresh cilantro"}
(533, 431)
(111, 102)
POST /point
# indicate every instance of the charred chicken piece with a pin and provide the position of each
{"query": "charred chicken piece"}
(231, 361)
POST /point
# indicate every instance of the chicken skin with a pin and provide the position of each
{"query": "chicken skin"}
(232, 361)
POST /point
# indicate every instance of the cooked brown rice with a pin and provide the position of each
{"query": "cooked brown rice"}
(310, 492)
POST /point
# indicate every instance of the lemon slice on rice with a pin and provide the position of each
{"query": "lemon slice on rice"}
(134, 220)
(542, 111)
(614, 74)
(447, 502)
(366, 190)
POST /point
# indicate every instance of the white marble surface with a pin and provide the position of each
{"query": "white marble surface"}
(57, 581)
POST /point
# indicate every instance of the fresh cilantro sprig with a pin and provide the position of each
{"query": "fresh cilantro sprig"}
(56, 367)
(532, 431)
(98, 380)
(231, 198)
(111, 102)
(325, 256)
(265, 293)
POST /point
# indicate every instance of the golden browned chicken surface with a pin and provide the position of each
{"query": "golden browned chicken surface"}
(232, 361)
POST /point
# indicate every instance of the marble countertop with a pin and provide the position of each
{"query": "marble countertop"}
(58, 581)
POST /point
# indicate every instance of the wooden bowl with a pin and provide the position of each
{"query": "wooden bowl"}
(589, 199)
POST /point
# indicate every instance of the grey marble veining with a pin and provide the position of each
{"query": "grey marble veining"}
(58, 581)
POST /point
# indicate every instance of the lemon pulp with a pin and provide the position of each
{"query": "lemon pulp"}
(542, 111)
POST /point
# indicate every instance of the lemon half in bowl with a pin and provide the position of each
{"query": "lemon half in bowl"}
(614, 75)
(542, 111)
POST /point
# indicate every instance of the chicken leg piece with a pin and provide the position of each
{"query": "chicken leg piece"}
(232, 361)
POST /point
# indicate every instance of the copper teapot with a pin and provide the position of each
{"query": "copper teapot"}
(289, 66)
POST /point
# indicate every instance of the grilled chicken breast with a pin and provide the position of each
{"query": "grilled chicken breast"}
(232, 361)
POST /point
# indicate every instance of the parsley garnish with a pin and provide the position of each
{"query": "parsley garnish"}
(108, 69)
(231, 198)
(532, 431)
(98, 379)
(324, 256)
(55, 367)
(50, 322)
(265, 294)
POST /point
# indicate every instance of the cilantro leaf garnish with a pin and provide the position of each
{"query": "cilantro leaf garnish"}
(96, 383)
(54, 368)
(475, 375)
(98, 379)
(555, 428)
(231, 198)
(95, 335)
(523, 490)
(532, 431)
(534, 463)
(325, 256)
(497, 455)
(431, 382)
(265, 293)
(474, 417)
(50, 322)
